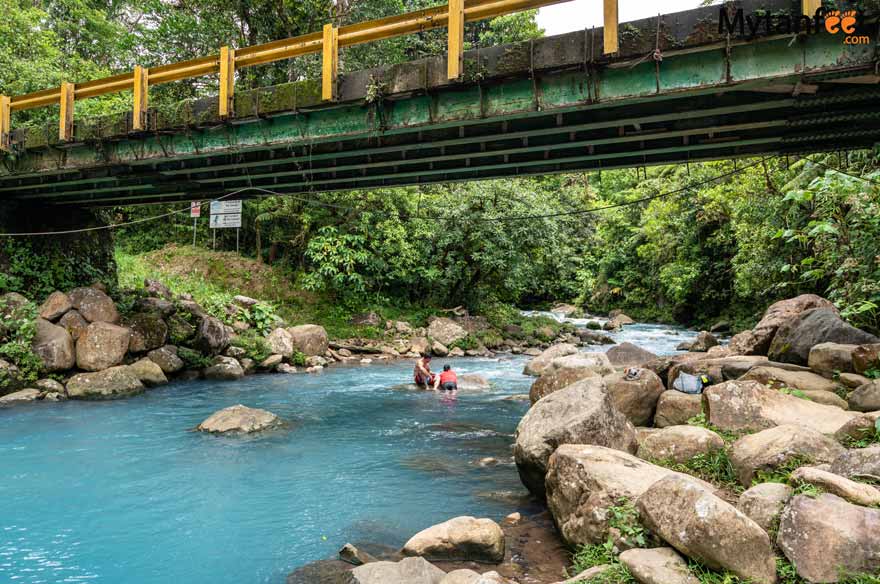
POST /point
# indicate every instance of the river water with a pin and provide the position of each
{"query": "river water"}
(123, 492)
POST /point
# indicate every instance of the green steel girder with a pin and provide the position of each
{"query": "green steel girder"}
(710, 101)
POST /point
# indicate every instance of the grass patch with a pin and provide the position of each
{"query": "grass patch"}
(867, 437)
(782, 473)
(703, 422)
(624, 517)
(714, 467)
(785, 571)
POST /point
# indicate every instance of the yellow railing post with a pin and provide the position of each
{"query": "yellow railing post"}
(65, 122)
(455, 52)
(330, 56)
(141, 98)
(5, 127)
(610, 27)
(227, 81)
(811, 6)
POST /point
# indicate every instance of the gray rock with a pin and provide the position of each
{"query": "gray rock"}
(239, 419)
(473, 382)
(751, 406)
(446, 331)
(55, 306)
(352, 555)
(49, 386)
(156, 289)
(579, 414)
(414, 570)
(853, 380)
(635, 394)
(769, 449)
(101, 345)
(675, 408)
(866, 357)
(657, 566)
(148, 332)
(704, 341)
(466, 576)
(366, 319)
(679, 443)
(439, 349)
(107, 384)
(763, 503)
(94, 305)
(166, 358)
(757, 341)
(74, 323)
(280, 342)
(859, 463)
(793, 340)
(858, 428)
(271, 361)
(54, 346)
(858, 493)
(585, 481)
(21, 396)
(774, 377)
(460, 539)
(224, 369)
(309, 339)
(825, 536)
(629, 355)
(148, 372)
(828, 358)
(865, 398)
(539, 364)
(559, 378)
(702, 526)
(212, 338)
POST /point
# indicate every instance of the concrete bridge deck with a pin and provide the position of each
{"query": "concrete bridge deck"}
(547, 106)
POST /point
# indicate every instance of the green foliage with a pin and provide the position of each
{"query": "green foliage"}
(781, 473)
(625, 518)
(702, 421)
(867, 437)
(17, 331)
(468, 343)
(255, 346)
(714, 467)
(298, 358)
(192, 359)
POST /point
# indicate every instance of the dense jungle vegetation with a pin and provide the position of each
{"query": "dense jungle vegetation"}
(686, 249)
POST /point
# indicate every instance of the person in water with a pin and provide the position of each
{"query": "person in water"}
(422, 373)
(447, 381)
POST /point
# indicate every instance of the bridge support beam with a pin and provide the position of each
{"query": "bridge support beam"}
(227, 81)
(455, 52)
(5, 122)
(141, 98)
(330, 62)
(65, 121)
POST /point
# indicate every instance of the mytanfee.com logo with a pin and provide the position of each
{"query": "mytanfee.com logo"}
(836, 22)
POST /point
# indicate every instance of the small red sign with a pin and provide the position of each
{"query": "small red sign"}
(195, 209)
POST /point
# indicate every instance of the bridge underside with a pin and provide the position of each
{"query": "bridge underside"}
(533, 108)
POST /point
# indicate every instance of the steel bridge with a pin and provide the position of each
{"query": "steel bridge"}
(676, 88)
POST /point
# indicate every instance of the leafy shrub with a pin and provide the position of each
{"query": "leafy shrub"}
(255, 346)
(192, 359)
(17, 331)
(298, 359)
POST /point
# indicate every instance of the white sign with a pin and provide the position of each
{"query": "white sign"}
(225, 221)
(195, 209)
(224, 207)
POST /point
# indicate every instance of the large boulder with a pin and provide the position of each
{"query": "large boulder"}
(107, 384)
(859, 463)
(54, 346)
(757, 341)
(148, 372)
(473, 382)
(309, 339)
(459, 539)
(747, 406)
(74, 323)
(629, 355)
(764, 502)
(239, 419)
(679, 443)
(224, 369)
(865, 398)
(556, 379)
(794, 339)
(825, 537)
(866, 357)
(858, 493)
(166, 358)
(585, 481)
(582, 413)
(702, 526)
(675, 408)
(280, 342)
(776, 378)
(94, 305)
(769, 449)
(55, 306)
(657, 566)
(539, 364)
(101, 345)
(704, 341)
(831, 358)
(634, 393)
(212, 337)
(414, 570)
(148, 332)
(21, 396)
(446, 330)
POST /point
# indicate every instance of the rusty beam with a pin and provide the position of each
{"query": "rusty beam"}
(141, 98)
(455, 51)
(65, 120)
(329, 62)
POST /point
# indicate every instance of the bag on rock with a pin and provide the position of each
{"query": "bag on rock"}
(687, 383)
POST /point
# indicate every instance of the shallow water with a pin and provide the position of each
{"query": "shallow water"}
(123, 492)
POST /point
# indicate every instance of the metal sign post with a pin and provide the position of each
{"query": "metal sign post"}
(195, 211)
(226, 215)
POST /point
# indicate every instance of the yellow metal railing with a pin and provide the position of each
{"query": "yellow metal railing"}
(453, 15)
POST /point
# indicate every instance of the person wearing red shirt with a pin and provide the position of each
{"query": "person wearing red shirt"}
(447, 380)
